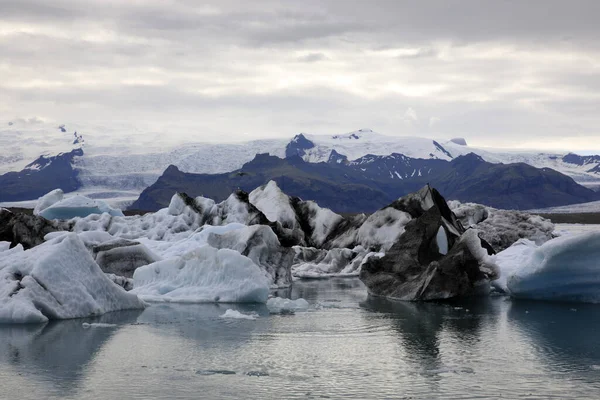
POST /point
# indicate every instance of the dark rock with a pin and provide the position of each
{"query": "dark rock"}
(434, 259)
(26, 229)
(337, 158)
(298, 146)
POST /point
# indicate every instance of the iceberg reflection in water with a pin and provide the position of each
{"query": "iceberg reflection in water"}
(346, 345)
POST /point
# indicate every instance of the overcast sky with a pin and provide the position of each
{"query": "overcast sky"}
(502, 72)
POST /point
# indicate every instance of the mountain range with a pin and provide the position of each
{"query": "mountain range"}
(368, 183)
(108, 166)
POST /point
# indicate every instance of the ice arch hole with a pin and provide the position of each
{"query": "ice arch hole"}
(442, 240)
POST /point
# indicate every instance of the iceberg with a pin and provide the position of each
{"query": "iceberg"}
(57, 280)
(234, 314)
(76, 206)
(563, 269)
(279, 305)
(47, 200)
(203, 275)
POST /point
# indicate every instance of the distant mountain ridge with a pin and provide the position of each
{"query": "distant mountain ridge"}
(368, 183)
(115, 164)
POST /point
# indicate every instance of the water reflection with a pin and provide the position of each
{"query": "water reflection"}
(58, 352)
(425, 329)
(565, 335)
(203, 323)
(348, 345)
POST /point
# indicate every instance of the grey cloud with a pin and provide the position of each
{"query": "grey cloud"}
(312, 57)
(234, 49)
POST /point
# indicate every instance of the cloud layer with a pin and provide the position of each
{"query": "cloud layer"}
(502, 73)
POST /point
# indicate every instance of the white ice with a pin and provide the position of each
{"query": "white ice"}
(510, 260)
(382, 228)
(47, 200)
(234, 314)
(279, 305)
(566, 268)
(275, 204)
(76, 206)
(204, 274)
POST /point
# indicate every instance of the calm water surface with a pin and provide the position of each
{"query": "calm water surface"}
(347, 346)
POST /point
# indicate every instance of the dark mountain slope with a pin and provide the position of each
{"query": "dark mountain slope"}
(40, 177)
(366, 184)
(329, 185)
(518, 186)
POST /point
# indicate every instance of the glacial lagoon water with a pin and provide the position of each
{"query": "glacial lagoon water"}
(347, 346)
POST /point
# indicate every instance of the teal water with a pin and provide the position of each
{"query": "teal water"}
(347, 346)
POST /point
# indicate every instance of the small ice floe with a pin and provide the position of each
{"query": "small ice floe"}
(234, 314)
(214, 372)
(257, 373)
(86, 325)
(278, 305)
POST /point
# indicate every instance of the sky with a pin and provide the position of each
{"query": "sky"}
(501, 73)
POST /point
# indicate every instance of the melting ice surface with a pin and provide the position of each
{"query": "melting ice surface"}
(344, 346)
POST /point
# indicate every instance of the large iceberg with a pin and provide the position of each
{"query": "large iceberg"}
(204, 274)
(57, 280)
(564, 269)
(434, 259)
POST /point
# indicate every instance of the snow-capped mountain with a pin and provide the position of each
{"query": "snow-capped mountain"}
(114, 165)
(354, 145)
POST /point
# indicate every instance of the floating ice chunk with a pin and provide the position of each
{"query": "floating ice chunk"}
(57, 280)
(47, 200)
(566, 269)
(278, 305)
(4, 246)
(204, 274)
(77, 206)
(86, 325)
(234, 314)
